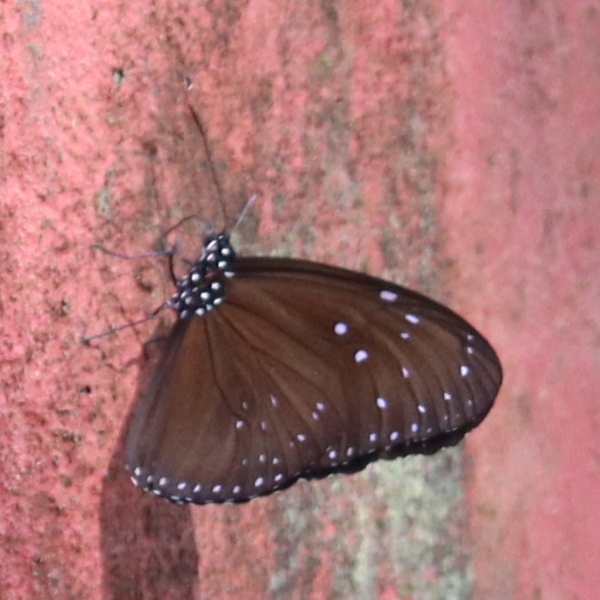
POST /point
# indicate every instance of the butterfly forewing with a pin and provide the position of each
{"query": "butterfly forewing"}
(385, 342)
(303, 370)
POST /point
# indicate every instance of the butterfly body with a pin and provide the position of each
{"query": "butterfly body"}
(280, 369)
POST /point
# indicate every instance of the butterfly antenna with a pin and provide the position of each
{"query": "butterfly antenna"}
(210, 162)
(246, 208)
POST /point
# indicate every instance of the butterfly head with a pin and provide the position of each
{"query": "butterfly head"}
(203, 287)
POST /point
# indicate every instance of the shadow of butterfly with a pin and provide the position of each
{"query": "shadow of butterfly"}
(281, 369)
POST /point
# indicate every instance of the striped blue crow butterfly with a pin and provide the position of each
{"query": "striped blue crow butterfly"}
(279, 369)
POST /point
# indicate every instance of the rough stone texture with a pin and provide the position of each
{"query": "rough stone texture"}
(452, 146)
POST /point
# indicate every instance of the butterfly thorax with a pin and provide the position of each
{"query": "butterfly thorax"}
(203, 288)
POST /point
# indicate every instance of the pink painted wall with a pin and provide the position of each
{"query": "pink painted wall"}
(452, 146)
(528, 133)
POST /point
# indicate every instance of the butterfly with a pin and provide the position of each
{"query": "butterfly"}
(279, 369)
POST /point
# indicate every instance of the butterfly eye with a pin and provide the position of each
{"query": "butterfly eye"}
(281, 369)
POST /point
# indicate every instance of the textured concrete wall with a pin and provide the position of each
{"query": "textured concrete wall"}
(452, 146)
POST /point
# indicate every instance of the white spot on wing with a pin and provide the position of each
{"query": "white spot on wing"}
(412, 319)
(382, 403)
(340, 328)
(388, 296)
(464, 370)
(360, 356)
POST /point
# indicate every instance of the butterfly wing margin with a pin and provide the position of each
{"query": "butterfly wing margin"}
(428, 375)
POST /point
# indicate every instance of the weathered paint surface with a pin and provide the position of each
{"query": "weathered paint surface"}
(528, 132)
(453, 146)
